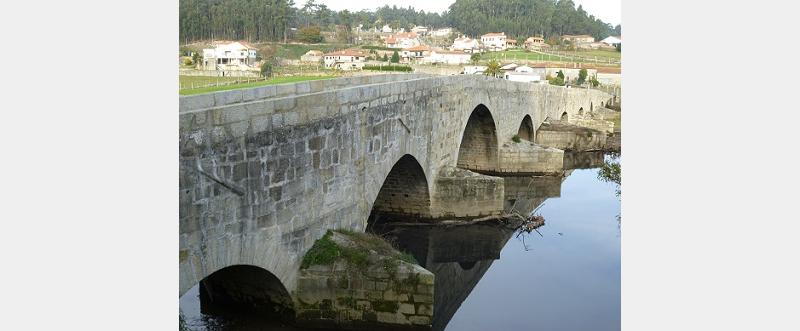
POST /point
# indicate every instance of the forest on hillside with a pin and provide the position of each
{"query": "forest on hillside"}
(273, 20)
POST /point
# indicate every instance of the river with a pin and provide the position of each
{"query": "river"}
(564, 275)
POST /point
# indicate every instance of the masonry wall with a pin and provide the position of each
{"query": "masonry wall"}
(336, 296)
(266, 171)
(525, 157)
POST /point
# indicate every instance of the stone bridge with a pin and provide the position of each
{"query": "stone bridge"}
(265, 171)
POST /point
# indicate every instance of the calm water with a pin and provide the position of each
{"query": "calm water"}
(566, 276)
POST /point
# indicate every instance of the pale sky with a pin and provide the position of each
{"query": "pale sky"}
(606, 10)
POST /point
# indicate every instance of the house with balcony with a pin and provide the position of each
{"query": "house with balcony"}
(229, 55)
(494, 41)
(416, 53)
(535, 43)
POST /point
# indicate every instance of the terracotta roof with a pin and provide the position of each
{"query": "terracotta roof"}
(417, 48)
(511, 41)
(391, 40)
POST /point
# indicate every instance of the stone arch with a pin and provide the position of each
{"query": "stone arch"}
(526, 128)
(565, 117)
(245, 288)
(404, 193)
(602, 104)
(580, 111)
(479, 144)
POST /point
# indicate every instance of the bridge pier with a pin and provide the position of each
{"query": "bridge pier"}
(527, 158)
(463, 193)
(570, 137)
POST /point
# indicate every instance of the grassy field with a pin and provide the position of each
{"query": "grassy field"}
(520, 55)
(187, 81)
(272, 81)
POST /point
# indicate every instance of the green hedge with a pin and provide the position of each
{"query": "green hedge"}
(381, 48)
(388, 67)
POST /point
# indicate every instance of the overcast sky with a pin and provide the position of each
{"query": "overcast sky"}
(606, 10)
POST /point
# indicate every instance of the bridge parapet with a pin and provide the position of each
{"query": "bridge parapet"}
(263, 176)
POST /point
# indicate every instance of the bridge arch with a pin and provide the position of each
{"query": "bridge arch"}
(526, 128)
(248, 288)
(479, 144)
(404, 193)
(565, 117)
(580, 111)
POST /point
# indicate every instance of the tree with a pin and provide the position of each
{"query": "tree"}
(594, 81)
(395, 57)
(558, 80)
(582, 76)
(492, 68)
(475, 58)
(385, 57)
(266, 68)
(311, 34)
(196, 58)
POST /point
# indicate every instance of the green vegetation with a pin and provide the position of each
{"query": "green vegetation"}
(523, 18)
(475, 58)
(310, 34)
(395, 57)
(266, 69)
(379, 48)
(385, 58)
(582, 76)
(492, 68)
(325, 251)
(611, 171)
(516, 138)
(390, 67)
(558, 80)
(270, 20)
(594, 81)
(272, 81)
(522, 55)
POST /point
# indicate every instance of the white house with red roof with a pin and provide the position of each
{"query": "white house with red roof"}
(402, 40)
(345, 60)
(494, 41)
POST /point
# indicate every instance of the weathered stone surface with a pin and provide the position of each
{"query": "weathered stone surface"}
(286, 163)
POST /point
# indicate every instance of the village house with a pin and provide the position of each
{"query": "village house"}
(447, 57)
(345, 60)
(578, 39)
(465, 44)
(535, 43)
(415, 53)
(612, 40)
(236, 55)
(312, 56)
(511, 43)
(386, 29)
(495, 41)
(402, 40)
(420, 30)
(443, 32)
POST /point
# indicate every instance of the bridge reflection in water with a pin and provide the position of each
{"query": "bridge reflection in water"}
(458, 254)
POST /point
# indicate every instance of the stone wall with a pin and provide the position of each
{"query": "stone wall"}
(265, 171)
(525, 158)
(570, 137)
(463, 193)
